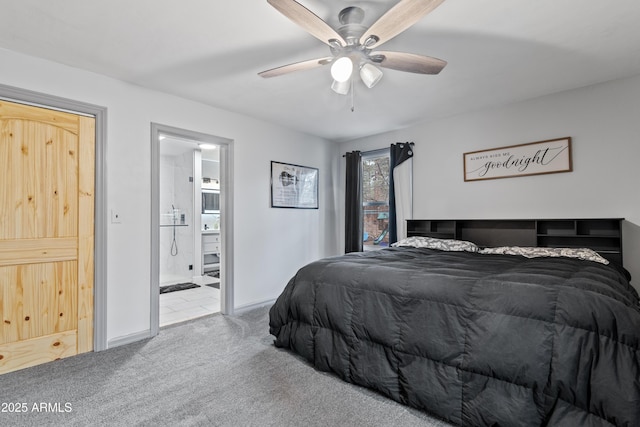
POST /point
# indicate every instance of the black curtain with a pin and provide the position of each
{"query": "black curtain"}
(353, 203)
(398, 153)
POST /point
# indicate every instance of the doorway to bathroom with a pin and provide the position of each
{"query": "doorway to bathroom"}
(190, 222)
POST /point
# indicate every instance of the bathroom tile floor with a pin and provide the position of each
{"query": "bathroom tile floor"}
(189, 304)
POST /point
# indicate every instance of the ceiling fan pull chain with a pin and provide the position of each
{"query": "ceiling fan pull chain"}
(353, 88)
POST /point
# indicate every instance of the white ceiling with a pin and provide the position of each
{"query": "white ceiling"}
(498, 51)
(173, 146)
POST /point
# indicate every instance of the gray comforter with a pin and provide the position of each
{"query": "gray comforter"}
(472, 339)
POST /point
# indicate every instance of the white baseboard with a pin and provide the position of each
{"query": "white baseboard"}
(128, 339)
(248, 307)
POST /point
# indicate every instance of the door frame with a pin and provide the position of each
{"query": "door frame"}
(37, 99)
(226, 211)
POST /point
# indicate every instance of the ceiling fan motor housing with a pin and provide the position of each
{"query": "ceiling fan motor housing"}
(351, 15)
(352, 29)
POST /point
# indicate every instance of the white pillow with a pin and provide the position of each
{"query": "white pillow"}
(534, 252)
(440, 244)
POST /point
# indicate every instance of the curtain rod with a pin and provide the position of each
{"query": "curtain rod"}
(380, 149)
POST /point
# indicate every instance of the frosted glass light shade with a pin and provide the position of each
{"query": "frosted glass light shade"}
(341, 88)
(370, 75)
(341, 69)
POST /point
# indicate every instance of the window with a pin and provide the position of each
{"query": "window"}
(375, 199)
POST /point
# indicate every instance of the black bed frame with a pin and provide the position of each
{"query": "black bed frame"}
(603, 235)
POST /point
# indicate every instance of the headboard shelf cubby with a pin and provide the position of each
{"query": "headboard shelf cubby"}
(600, 234)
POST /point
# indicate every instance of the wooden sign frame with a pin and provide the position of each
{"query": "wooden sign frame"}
(534, 158)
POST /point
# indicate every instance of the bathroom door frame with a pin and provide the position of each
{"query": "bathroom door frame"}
(226, 216)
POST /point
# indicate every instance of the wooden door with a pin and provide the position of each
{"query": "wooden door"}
(46, 235)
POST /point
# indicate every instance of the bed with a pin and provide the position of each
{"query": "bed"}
(476, 335)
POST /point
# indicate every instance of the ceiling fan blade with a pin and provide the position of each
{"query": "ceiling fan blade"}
(408, 62)
(308, 20)
(400, 17)
(296, 66)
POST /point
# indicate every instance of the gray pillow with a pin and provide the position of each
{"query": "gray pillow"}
(535, 252)
(451, 245)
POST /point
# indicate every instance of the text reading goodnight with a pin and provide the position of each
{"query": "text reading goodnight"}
(541, 157)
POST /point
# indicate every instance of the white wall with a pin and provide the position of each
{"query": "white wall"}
(604, 123)
(270, 244)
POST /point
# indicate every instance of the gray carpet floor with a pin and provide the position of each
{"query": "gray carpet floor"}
(214, 371)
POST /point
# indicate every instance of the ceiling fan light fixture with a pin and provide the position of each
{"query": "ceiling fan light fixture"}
(370, 74)
(341, 88)
(341, 69)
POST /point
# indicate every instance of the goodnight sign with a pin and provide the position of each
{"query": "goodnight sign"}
(535, 158)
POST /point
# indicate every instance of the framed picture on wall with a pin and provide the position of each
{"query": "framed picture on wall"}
(534, 158)
(293, 186)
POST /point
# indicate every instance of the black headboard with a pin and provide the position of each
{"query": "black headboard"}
(603, 235)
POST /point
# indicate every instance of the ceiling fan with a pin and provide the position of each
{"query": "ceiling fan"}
(353, 47)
